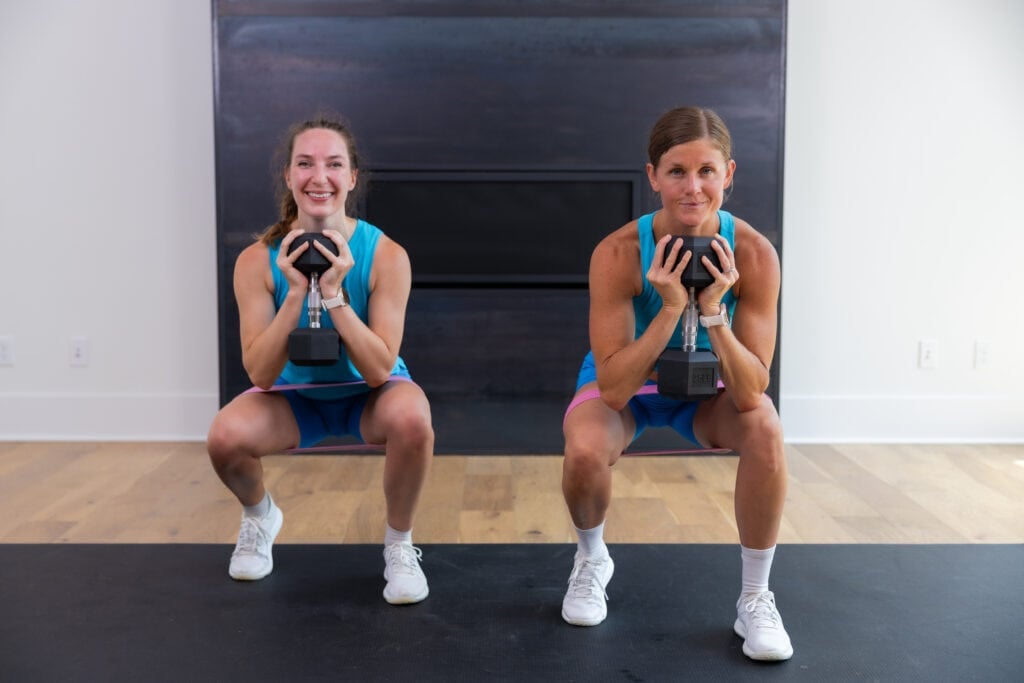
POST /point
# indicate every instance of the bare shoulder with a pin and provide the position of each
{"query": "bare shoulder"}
(390, 264)
(390, 253)
(616, 258)
(756, 259)
(253, 261)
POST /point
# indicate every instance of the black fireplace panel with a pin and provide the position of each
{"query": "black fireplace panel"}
(501, 140)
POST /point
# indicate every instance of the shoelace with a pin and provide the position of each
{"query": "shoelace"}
(249, 536)
(404, 557)
(763, 612)
(584, 583)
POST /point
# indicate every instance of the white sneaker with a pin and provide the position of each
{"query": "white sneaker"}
(585, 601)
(758, 622)
(406, 582)
(253, 559)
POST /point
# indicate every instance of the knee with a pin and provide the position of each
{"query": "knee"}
(763, 438)
(585, 457)
(413, 428)
(225, 442)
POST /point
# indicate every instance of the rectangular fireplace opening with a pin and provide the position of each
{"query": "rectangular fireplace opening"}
(500, 229)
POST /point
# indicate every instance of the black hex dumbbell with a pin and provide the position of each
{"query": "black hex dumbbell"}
(689, 374)
(313, 345)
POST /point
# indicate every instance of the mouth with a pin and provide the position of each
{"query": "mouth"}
(320, 196)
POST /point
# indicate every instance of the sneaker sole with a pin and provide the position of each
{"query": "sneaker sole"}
(582, 622)
(407, 600)
(770, 656)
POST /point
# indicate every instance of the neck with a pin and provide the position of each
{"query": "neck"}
(664, 225)
(339, 221)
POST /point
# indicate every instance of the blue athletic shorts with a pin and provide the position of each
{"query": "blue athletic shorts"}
(319, 419)
(649, 410)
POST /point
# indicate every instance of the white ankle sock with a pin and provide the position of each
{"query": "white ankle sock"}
(393, 536)
(591, 543)
(757, 565)
(260, 509)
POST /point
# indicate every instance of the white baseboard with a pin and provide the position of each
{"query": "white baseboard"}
(106, 417)
(902, 419)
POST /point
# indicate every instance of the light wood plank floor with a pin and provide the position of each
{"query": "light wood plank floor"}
(168, 493)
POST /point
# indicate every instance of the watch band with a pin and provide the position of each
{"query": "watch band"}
(337, 302)
(714, 320)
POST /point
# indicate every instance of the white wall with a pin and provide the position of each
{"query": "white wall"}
(108, 218)
(903, 220)
(903, 143)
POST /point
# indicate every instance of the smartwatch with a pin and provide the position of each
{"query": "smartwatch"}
(337, 302)
(714, 320)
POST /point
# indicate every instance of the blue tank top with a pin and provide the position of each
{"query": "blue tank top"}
(363, 246)
(647, 305)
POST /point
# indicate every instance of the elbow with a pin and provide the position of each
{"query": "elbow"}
(377, 380)
(614, 400)
(259, 379)
(747, 401)
(263, 383)
(746, 404)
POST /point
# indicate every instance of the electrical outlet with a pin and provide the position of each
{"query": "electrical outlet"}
(6, 349)
(927, 354)
(78, 352)
(982, 354)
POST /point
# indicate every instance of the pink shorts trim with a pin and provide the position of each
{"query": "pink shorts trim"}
(594, 392)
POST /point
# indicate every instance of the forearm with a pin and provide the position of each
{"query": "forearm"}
(265, 356)
(370, 355)
(744, 375)
(621, 374)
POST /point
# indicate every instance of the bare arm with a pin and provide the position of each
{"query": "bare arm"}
(745, 352)
(264, 331)
(624, 364)
(373, 348)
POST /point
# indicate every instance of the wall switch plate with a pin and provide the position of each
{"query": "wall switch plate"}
(982, 354)
(6, 349)
(78, 352)
(927, 354)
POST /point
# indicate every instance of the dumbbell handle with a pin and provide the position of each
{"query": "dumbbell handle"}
(689, 323)
(313, 301)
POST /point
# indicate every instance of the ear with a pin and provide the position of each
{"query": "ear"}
(288, 178)
(730, 168)
(355, 177)
(652, 178)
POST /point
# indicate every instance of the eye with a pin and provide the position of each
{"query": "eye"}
(707, 170)
(676, 172)
(302, 164)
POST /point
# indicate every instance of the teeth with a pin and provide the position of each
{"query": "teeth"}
(319, 195)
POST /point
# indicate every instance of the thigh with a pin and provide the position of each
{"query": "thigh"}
(592, 427)
(261, 423)
(395, 405)
(718, 424)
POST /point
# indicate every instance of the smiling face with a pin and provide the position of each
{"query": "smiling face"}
(692, 178)
(320, 173)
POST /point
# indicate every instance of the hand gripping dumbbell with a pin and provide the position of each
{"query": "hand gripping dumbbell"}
(688, 374)
(313, 345)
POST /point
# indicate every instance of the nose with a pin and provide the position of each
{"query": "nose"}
(691, 183)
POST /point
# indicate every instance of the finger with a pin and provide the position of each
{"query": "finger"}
(659, 250)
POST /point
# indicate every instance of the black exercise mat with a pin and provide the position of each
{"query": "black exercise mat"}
(170, 613)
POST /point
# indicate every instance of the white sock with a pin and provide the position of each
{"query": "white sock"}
(260, 509)
(591, 543)
(393, 536)
(757, 565)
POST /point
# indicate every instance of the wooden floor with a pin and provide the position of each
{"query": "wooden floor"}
(168, 493)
